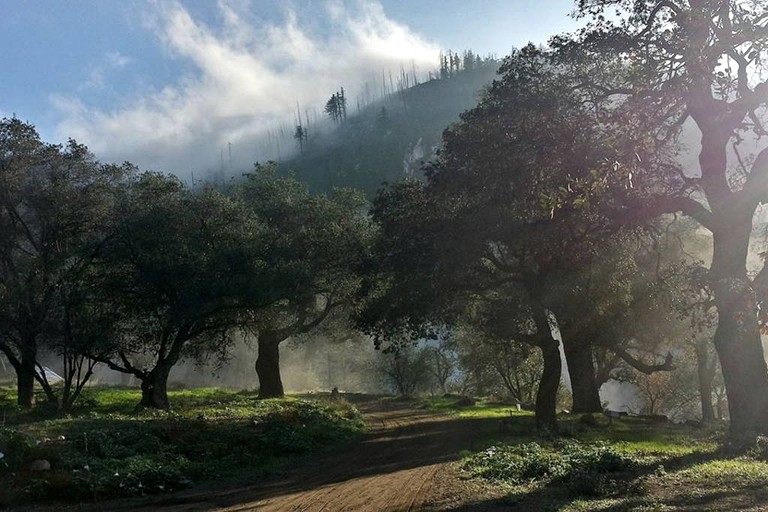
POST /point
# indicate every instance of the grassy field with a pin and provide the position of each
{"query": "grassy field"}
(630, 464)
(105, 449)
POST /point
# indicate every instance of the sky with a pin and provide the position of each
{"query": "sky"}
(169, 84)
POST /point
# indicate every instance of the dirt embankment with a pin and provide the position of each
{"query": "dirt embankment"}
(403, 463)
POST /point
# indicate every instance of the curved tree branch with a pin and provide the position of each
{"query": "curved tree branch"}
(642, 366)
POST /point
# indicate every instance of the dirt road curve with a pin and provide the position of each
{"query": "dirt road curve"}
(402, 464)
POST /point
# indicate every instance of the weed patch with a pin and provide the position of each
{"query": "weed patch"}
(105, 450)
(585, 467)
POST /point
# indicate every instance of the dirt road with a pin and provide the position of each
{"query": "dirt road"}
(404, 463)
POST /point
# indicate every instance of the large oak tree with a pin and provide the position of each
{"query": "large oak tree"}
(322, 239)
(511, 223)
(678, 63)
(183, 270)
(55, 203)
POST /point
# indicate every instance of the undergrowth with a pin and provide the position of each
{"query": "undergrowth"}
(586, 467)
(104, 450)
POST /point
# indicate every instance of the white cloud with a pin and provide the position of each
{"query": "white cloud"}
(99, 73)
(246, 79)
(117, 59)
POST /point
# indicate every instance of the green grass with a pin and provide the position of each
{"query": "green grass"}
(741, 471)
(103, 449)
(629, 464)
(455, 404)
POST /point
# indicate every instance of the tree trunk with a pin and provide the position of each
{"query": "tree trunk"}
(546, 398)
(268, 367)
(24, 365)
(707, 408)
(25, 381)
(705, 370)
(737, 338)
(581, 369)
(154, 388)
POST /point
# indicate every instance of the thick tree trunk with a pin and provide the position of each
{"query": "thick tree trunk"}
(737, 341)
(24, 365)
(268, 367)
(154, 388)
(737, 338)
(25, 382)
(546, 398)
(581, 369)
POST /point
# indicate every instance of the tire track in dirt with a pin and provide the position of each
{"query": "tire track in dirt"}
(396, 490)
(392, 469)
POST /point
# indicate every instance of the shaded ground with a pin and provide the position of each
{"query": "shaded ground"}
(403, 463)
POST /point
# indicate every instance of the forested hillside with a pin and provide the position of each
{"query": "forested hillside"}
(390, 138)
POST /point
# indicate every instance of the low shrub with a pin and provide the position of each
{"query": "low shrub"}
(219, 435)
(567, 461)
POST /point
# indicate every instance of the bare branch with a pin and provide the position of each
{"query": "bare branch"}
(685, 205)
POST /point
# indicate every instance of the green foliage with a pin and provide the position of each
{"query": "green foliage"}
(583, 466)
(211, 435)
(496, 366)
(56, 205)
(185, 268)
(495, 239)
(15, 447)
(318, 242)
(628, 464)
(302, 426)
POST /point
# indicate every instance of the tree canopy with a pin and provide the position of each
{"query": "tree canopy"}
(678, 64)
(54, 204)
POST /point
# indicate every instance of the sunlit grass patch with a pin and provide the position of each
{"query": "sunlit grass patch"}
(612, 466)
(624, 504)
(668, 448)
(642, 438)
(595, 505)
(739, 472)
(492, 410)
(465, 407)
(7, 396)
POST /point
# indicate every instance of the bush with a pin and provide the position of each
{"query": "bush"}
(15, 447)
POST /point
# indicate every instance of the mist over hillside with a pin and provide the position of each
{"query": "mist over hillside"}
(391, 138)
(380, 137)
